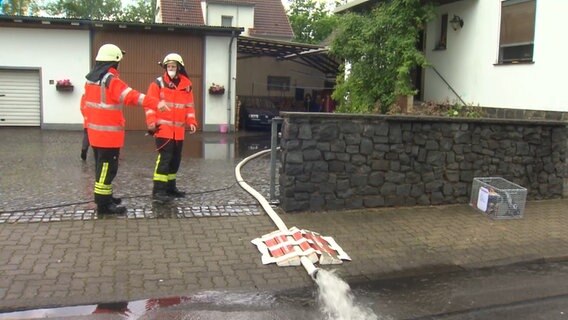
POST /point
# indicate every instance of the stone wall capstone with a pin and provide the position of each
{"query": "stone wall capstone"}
(345, 161)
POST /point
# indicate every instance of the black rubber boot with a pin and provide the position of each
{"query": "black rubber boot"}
(174, 191)
(110, 208)
(83, 154)
(116, 200)
(159, 193)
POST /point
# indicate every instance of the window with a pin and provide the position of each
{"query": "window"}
(516, 42)
(278, 83)
(442, 40)
(226, 21)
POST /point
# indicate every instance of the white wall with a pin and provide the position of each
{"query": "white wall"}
(243, 15)
(469, 62)
(253, 73)
(219, 109)
(59, 54)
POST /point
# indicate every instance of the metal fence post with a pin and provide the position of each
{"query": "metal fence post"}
(273, 150)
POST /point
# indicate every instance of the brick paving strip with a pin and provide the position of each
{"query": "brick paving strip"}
(68, 214)
(60, 263)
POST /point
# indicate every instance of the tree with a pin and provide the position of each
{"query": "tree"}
(380, 50)
(18, 7)
(111, 10)
(78, 9)
(143, 11)
(311, 21)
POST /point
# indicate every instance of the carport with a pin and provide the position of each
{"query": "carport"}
(283, 72)
(313, 56)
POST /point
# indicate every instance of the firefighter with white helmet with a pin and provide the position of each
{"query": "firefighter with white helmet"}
(105, 95)
(168, 128)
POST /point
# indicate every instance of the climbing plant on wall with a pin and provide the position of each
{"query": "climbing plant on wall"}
(379, 50)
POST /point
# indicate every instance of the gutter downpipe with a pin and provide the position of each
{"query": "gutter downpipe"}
(306, 263)
(229, 84)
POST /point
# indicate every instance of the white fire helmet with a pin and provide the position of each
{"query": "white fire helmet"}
(171, 57)
(109, 52)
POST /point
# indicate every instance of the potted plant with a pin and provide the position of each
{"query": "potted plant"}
(64, 85)
(216, 89)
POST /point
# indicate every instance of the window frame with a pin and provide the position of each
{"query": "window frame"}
(224, 18)
(442, 43)
(278, 83)
(524, 47)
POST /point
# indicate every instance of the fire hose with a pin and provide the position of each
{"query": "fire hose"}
(306, 263)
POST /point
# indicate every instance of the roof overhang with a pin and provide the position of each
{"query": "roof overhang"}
(313, 56)
(357, 5)
(64, 23)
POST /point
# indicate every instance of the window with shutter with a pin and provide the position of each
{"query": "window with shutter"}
(516, 42)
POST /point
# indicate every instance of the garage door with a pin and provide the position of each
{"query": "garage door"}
(19, 98)
(138, 68)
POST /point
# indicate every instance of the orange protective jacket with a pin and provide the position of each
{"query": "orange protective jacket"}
(103, 105)
(179, 99)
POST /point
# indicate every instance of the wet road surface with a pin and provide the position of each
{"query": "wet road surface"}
(43, 178)
(530, 291)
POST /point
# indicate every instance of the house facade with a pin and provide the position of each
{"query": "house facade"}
(268, 65)
(31, 62)
(41, 52)
(496, 54)
(505, 55)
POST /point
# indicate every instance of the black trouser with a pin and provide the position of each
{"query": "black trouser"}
(85, 145)
(106, 167)
(167, 163)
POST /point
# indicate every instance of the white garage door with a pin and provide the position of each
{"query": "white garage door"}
(19, 98)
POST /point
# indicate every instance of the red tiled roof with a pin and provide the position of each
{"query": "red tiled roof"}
(182, 12)
(270, 19)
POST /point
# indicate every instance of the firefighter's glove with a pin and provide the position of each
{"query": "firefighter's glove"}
(153, 128)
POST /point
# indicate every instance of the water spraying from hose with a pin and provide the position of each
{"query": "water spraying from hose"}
(336, 300)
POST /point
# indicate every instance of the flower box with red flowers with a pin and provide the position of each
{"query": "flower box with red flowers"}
(64, 85)
(216, 89)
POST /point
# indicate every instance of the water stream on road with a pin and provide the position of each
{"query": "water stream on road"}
(336, 300)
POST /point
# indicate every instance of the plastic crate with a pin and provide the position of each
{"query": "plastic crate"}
(498, 198)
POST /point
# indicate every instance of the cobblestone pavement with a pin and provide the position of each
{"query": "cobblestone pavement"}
(158, 252)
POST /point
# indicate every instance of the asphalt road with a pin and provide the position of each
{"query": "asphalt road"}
(528, 291)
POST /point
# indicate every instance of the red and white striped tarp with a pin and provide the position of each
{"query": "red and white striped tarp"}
(286, 247)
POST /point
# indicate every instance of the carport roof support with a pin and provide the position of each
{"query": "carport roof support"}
(310, 55)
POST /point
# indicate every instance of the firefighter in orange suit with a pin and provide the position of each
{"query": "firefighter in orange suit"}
(105, 95)
(168, 128)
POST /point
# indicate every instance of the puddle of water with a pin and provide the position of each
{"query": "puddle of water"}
(214, 305)
(211, 146)
(334, 302)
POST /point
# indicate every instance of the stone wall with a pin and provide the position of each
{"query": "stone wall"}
(339, 161)
(502, 113)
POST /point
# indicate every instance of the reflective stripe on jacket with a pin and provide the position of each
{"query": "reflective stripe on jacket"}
(180, 101)
(103, 104)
